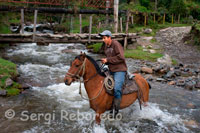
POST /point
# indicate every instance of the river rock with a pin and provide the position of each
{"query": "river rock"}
(180, 83)
(3, 92)
(197, 85)
(152, 51)
(184, 74)
(82, 47)
(147, 31)
(71, 47)
(191, 123)
(170, 74)
(177, 72)
(9, 82)
(158, 67)
(191, 106)
(43, 43)
(190, 85)
(147, 70)
(160, 79)
(67, 51)
(172, 83)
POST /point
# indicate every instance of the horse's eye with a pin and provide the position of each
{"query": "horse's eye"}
(76, 65)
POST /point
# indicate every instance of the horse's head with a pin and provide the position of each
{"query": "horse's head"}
(77, 69)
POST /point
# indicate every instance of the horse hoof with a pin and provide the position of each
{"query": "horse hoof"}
(145, 104)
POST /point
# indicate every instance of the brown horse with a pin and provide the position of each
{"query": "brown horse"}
(86, 67)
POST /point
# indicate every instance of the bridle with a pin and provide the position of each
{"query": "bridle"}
(78, 77)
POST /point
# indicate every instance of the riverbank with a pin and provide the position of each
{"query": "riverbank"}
(8, 73)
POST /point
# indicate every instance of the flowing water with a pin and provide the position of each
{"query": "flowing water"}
(52, 107)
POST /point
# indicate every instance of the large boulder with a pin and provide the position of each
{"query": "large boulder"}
(147, 31)
(166, 59)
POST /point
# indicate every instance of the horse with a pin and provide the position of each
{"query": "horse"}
(100, 101)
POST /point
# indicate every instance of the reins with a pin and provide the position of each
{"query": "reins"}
(76, 75)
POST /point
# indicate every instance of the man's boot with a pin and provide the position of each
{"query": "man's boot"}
(115, 107)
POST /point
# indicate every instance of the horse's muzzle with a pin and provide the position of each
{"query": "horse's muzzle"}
(67, 82)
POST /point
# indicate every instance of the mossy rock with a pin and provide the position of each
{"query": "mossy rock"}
(12, 92)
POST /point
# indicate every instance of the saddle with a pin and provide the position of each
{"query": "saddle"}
(130, 85)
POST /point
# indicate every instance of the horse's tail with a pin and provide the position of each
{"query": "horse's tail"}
(149, 85)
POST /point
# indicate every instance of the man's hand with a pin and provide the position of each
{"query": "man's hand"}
(104, 60)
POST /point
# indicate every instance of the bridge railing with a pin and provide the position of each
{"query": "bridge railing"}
(64, 3)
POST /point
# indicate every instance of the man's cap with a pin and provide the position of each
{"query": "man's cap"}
(105, 33)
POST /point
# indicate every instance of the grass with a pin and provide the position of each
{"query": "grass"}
(138, 53)
(8, 70)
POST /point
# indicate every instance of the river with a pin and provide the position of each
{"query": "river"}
(52, 107)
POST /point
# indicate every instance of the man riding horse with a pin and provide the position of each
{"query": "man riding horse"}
(117, 65)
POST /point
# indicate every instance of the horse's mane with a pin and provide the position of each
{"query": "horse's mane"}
(94, 63)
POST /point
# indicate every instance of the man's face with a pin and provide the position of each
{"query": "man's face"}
(107, 40)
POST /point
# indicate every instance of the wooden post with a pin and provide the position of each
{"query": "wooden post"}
(179, 16)
(22, 21)
(172, 18)
(62, 18)
(90, 30)
(127, 20)
(107, 8)
(121, 27)
(154, 18)
(132, 19)
(71, 24)
(80, 17)
(116, 4)
(145, 19)
(164, 19)
(35, 22)
(156, 5)
(99, 25)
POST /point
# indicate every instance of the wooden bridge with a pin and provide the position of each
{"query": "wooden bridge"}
(45, 39)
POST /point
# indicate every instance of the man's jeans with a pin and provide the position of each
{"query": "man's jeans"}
(119, 78)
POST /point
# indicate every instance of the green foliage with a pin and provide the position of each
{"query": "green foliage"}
(144, 3)
(178, 7)
(138, 53)
(96, 47)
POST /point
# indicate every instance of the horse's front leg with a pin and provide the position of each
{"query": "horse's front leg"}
(98, 117)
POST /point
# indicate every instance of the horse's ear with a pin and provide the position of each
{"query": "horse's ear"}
(82, 55)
